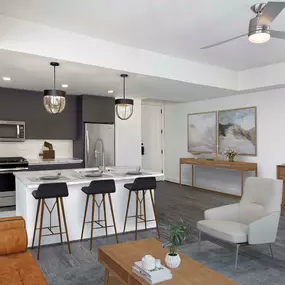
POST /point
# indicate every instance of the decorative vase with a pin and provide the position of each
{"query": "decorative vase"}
(172, 261)
(231, 158)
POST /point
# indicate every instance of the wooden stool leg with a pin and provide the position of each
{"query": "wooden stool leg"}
(84, 219)
(113, 216)
(36, 222)
(59, 220)
(127, 210)
(144, 210)
(105, 216)
(137, 208)
(41, 227)
(65, 224)
(152, 201)
(92, 220)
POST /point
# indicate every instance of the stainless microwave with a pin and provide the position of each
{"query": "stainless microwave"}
(12, 131)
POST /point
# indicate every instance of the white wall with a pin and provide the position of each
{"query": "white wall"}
(128, 138)
(270, 138)
(30, 149)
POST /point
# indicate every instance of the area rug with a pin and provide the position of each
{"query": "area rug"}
(252, 270)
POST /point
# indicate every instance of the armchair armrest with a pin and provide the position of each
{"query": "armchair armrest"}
(228, 212)
(264, 230)
(13, 236)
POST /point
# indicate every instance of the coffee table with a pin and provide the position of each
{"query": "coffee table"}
(119, 258)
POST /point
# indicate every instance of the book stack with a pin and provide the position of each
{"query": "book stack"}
(156, 275)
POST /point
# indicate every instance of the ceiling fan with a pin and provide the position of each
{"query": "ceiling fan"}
(259, 29)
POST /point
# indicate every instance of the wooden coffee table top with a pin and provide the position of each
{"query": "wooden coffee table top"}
(119, 258)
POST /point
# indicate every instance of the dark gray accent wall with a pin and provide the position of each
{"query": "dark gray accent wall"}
(92, 109)
(24, 105)
(98, 109)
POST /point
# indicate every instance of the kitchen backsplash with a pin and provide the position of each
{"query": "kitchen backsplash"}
(30, 149)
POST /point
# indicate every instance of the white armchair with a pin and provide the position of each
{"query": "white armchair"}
(252, 221)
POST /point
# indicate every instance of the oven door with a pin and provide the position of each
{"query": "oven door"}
(7, 190)
(12, 131)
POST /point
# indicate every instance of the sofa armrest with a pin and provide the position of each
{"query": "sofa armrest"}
(264, 230)
(13, 235)
(228, 213)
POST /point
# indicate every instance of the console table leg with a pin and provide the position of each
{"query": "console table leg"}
(193, 175)
(180, 174)
(241, 182)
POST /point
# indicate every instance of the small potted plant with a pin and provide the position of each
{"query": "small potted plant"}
(230, 154)
(177, 234)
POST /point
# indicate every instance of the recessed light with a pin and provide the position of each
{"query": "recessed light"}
(64, 85)
(6, 78)
(110, 91)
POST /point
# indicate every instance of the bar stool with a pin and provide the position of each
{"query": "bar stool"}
(101, 187)
(49, 191)
(143, 184)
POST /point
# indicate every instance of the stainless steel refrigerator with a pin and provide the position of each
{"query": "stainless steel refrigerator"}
(99, 145)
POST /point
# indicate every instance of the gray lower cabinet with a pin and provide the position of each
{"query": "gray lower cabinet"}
(55, 166)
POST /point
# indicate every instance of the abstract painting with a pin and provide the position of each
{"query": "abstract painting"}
(237, 130)
(202, 132)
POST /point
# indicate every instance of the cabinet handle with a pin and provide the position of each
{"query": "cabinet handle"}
(223, 165)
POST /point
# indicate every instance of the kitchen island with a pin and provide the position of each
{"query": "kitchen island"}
(26, 205)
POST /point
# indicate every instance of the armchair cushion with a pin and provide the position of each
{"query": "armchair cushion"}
(225, 230)
(228, 213)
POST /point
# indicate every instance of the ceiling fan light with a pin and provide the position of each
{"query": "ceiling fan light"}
(259, 37)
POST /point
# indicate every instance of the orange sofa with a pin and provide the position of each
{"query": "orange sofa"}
(17, 265)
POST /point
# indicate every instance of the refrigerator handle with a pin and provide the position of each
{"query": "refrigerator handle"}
(87, 145)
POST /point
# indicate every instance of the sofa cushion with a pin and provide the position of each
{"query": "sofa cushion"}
(20, 269)
(13, 237)
(226, 230)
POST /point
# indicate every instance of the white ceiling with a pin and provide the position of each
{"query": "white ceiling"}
(34, 73)
(178, 28)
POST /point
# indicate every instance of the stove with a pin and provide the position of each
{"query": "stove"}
(8, 165)
(11, 164)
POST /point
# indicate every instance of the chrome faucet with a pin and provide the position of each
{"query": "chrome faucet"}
(102, 152)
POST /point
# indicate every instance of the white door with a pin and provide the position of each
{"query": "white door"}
(152, 137)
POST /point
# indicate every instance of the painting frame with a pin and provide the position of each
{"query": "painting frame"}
(215, 132)
(254, 132)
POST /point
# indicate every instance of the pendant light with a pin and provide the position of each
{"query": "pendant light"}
(124, 107)
(54, 100)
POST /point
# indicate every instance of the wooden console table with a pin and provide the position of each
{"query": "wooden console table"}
(237, 165)
(280, 174)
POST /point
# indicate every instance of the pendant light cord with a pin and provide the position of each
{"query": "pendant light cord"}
(124, 87)
(54, 78)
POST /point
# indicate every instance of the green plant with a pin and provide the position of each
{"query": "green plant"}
(177, 234)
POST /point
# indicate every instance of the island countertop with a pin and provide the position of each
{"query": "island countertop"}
(32, 179)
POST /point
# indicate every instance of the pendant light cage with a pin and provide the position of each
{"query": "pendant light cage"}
(54, 100)
(124, 106)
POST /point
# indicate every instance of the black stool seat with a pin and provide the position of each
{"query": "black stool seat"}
(51, 190)
(100, 187)
(142, 183)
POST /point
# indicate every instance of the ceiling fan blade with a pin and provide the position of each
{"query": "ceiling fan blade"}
(223, 42)
(277, 34)
(270, 12)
